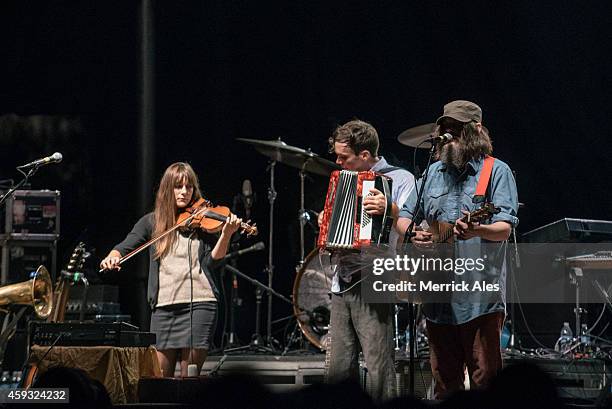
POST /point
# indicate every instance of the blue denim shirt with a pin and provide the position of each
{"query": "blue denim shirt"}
(446, 193)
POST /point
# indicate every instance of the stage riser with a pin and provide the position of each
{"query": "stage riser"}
(583, 379)
(277, 375)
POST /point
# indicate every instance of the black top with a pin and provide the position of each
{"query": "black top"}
(141, 233)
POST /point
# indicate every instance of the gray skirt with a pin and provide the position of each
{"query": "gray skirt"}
(170, 324)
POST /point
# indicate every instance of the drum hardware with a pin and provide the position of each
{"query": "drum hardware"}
(303, 159)
(296, 335)
(302, 215)
(416, 136)
(396, 310)
(306, 161)
(403, 343)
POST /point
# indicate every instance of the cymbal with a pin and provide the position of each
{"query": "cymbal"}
(279, 151)
(416, 135)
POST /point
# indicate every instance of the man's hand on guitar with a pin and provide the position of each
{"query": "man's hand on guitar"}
(465, 230)
(421, 237)
(375, 202)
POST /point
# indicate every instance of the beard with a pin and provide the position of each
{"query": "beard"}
(453, 154)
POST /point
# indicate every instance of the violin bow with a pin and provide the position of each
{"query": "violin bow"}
(156, 239)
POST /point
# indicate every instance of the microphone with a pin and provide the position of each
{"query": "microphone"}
(255, 247)
(442, 138)
(247, 197)
(55, 158)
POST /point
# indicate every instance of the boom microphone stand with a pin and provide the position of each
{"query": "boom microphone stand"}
(260, 287)
(22, 182)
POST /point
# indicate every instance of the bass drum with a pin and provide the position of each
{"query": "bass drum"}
(312, 297)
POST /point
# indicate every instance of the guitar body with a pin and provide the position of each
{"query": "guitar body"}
(442, 232)
(61, 294)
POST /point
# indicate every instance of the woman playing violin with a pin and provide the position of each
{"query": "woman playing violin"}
(181, 290)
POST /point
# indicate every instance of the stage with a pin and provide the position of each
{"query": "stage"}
(576, 380)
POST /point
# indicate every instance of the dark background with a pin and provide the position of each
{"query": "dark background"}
(223, 70)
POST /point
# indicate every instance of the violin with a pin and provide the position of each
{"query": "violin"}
(203, 215)
(200, 215)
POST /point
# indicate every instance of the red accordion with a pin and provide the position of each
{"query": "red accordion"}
(346, 225)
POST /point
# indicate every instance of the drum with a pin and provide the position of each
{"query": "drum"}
(312, 297)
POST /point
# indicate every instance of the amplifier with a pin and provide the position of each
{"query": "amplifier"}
(74, 307)
(33, 215)
(97, 293)
(19, 258)
(118, 334)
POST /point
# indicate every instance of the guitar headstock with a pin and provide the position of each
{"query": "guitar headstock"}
(77, 259)
(486, 212)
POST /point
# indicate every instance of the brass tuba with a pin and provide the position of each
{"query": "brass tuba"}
(37, 292)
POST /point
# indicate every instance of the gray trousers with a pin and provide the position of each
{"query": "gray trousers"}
(356, 325)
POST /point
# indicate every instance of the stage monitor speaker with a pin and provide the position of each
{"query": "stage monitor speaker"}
(422, 382)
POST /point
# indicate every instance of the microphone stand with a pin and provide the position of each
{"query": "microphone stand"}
(270, 267)
(407, 236)
(261, 348)
(22, 182)
(232, 340)
(260, 288)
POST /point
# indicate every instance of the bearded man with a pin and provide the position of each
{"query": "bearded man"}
(463, 332)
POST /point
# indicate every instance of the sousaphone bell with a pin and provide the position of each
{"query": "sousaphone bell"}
(37, 292)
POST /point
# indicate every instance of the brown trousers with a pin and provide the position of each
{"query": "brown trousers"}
(474, 344)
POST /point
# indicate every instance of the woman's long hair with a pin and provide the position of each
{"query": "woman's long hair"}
(166, 211)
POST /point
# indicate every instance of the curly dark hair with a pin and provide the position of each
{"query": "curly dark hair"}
(358, 135)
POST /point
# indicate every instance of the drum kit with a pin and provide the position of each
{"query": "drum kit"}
(311, 288)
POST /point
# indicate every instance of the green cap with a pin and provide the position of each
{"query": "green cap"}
(462, 111)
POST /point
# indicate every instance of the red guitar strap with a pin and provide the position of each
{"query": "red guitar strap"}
(483, 182)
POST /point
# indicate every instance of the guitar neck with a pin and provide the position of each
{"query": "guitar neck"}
(443, 231)
(61, 294)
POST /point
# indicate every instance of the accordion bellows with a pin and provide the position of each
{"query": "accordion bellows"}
(346, 225)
